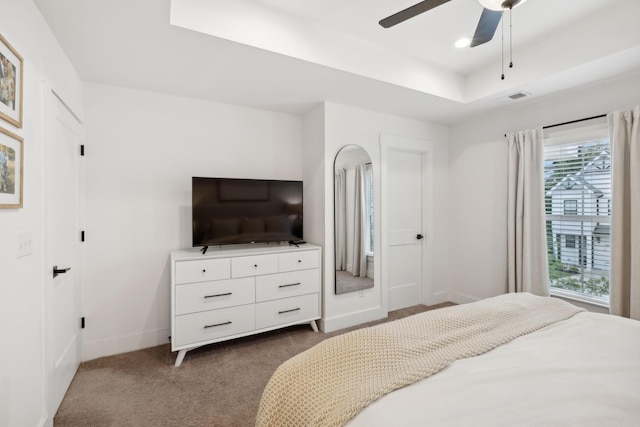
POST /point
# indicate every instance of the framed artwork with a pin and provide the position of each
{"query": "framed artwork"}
(11, 162)
(10, 84)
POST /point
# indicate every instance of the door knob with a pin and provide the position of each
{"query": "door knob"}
(57, 271)
(419, 236)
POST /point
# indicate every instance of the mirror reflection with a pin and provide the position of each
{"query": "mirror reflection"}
(353, 214)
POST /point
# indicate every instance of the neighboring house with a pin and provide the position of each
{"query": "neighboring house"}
(581, 214)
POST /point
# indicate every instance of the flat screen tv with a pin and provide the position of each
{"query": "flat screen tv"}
(228, 211)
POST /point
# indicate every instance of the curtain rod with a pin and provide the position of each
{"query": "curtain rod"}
(571, 122)
(575, 121)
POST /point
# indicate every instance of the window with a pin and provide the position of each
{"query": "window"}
(577, 173)
(571, 207)
(368, 199)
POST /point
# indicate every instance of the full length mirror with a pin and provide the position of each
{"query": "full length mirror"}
(353, 215)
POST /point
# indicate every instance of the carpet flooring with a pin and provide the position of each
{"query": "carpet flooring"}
(347, 282)
(217, 385)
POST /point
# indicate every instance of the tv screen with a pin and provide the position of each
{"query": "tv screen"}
(233, 211)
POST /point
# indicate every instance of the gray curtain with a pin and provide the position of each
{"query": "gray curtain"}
(359, 224)
(340, 193)
(624, 291)
(527, 269)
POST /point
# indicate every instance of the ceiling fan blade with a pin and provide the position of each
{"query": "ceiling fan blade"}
(410, 12)
(487, 25)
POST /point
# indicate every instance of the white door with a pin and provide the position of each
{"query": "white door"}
(62, 228)
(405, 234)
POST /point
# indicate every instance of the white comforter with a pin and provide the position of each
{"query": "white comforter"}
(584, 371)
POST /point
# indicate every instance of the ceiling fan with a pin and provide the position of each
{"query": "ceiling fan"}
(487, 25)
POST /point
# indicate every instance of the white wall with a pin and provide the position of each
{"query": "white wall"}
(477, 179)
(346, 125)
(22, 301)
(313, 175)
(142, 150)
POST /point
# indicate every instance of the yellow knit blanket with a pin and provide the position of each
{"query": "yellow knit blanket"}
(331, 382)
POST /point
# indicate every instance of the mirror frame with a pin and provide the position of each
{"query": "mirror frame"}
(342, 150)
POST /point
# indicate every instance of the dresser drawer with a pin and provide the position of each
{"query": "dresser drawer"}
(253, 265)
(204, 296)
(209, 325)
(300, 260)
(282, 285)
(287, 310)
(202, 270)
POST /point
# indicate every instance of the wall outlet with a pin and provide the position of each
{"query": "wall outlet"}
(25, 243)
(361, 293)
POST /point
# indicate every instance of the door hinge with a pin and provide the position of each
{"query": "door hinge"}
(82, 236)
(82, 150)
(82, 323)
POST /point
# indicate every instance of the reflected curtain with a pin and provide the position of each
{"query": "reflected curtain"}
(340, 195)
(624, 286)
(527, 267)
(359, 223)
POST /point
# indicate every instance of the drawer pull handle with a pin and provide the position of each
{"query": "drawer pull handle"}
(299, 260)
(255, 265)
(204, 271)
(217, 324)
(219, 295)
(289, 311)
(290, 284)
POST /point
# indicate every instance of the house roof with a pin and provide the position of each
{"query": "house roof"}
(570, 181)
(602, 229)
(603, 160)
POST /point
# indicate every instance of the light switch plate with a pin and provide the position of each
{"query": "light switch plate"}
(25, 243)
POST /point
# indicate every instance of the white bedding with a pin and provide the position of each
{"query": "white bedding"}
(584, 371)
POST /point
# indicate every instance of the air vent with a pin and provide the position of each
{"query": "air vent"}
(519, 95)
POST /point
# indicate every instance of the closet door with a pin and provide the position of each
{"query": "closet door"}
(64, 203)
(404, 209)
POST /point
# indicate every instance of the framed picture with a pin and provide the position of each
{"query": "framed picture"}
(10, 84)
(11, 161)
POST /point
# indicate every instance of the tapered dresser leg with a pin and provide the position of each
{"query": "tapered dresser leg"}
(180, 357)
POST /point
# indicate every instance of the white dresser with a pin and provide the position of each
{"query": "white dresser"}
(230, 293)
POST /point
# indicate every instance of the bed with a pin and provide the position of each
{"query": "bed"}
(515, 360)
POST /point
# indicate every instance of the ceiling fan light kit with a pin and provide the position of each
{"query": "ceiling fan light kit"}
(463, 42)
(499, 5)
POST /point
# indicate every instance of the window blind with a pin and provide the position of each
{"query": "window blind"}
(577, 173)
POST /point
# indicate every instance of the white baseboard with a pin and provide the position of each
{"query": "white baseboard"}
(438, 298)
(460, 298)
(111, 346)
(46, 421)
(351, 319)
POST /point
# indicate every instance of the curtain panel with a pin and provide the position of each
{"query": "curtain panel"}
(527, 268)
(340, 194)
(624, 284)
(359, 224)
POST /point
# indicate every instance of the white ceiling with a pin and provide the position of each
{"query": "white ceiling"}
(289, 55)
(430, 36)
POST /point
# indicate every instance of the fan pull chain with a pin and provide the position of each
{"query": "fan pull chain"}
(502, 31)
(510, 37)
(510, 40)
